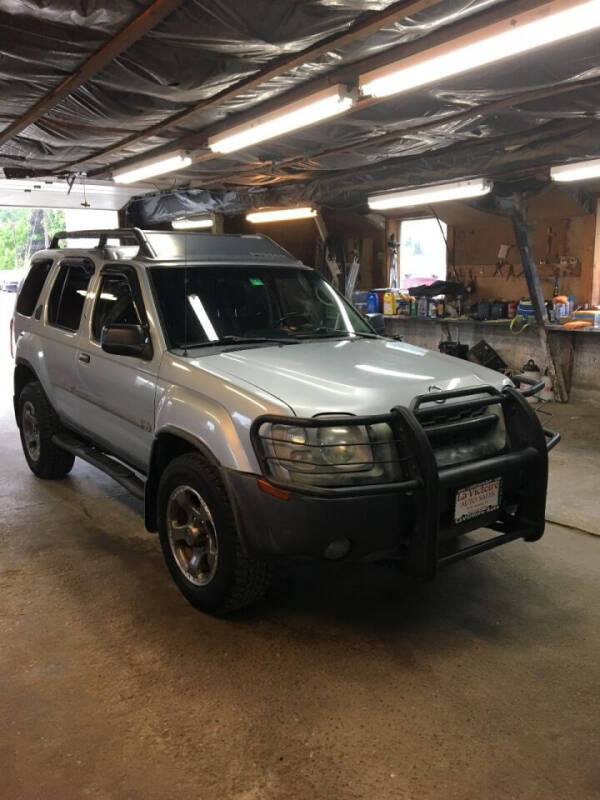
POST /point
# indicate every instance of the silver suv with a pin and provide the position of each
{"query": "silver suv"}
(259, 416)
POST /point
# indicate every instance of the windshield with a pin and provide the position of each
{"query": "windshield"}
(200, 305)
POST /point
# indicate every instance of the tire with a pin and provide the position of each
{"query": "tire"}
(200, 542)
(37, 424)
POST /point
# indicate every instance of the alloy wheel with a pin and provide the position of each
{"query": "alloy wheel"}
(192, 535)
(31, 431)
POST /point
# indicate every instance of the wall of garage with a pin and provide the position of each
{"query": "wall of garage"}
(561, 227)
(298, 237)
(301, 238)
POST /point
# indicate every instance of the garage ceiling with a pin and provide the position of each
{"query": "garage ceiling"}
(85, 87)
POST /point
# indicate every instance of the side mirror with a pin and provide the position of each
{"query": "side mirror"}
(377, 322)
(126, 340)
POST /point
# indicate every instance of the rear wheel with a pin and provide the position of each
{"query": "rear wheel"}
(37, 424)
(199, 539)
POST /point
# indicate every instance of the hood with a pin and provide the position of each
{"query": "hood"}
(353, 376)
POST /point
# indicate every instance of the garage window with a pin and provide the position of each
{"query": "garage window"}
(68, 295)
(32, 287)
(422, 252)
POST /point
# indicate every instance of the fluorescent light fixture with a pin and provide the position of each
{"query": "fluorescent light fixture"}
(281, 214)
(314, 108)
(544, 25)
(578, 171)
(430, 194)
(155, 166)
(191, 223)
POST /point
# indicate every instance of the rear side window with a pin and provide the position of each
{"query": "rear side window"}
(115, 304)
(68, 296)
(32, 287)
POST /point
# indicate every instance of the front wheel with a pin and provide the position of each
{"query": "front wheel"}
(37, 424)
(199, 539)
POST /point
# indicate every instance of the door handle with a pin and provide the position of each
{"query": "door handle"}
(84, 358)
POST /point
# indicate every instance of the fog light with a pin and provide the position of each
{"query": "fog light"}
(337, 549)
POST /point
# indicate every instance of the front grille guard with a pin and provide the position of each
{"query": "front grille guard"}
(529, 446)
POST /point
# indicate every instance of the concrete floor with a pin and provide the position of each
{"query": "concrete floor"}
(343, 683)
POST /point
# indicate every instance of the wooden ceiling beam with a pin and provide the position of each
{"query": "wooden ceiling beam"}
(360, 30)
(138, 27)
(472, 113)
(347, 73)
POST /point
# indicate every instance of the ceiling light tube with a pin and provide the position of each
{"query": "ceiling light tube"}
(191, 223)
(281, 214)
(314, 108)
(430, 194)
(155, 166)
(578, 171)
(544, 25)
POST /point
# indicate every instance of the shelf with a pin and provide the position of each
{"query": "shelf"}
(453, 320)
(489, 323)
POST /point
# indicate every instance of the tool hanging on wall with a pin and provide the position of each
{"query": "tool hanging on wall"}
(512, 274)
(470, 288)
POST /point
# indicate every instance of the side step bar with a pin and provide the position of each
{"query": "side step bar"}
(113, 468)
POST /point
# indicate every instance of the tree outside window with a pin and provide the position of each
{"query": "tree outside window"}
(422, 252)
(24, 231)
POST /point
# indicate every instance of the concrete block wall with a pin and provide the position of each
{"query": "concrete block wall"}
(586, 367)
(515, 349)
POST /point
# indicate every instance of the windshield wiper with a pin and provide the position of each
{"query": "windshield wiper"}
(330, 333)
(224, 340)
(367, 335)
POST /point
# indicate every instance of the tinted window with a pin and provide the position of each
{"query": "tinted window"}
(68, 296)
(32, 287)
(114, 304)
(200, 304)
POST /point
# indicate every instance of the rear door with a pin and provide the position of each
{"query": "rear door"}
(63, 319)
(116, 393)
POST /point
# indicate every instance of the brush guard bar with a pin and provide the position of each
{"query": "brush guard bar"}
(427, 485)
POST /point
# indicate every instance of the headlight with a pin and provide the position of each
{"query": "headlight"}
(339, 454)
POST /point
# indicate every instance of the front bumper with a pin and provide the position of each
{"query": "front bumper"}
(412, 521)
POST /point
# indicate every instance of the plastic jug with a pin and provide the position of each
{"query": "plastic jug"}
(389, 304)
(372, 303)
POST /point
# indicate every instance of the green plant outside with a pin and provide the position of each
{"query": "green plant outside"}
(24, 231)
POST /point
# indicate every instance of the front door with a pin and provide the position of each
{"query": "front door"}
(117, 392)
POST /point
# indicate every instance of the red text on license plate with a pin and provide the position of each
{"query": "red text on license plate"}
(478, 499)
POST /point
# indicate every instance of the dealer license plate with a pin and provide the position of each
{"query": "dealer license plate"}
(477, 499)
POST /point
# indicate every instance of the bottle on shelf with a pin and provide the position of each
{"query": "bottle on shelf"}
(389, 304)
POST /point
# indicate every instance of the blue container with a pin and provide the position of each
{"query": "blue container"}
(372, 303)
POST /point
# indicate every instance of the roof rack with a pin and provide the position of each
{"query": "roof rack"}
(127, 237)
(181, 246)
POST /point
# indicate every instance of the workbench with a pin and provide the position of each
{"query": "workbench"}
(577, 351)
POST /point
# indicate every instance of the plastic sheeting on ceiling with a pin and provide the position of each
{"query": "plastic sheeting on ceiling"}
(206, 46)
